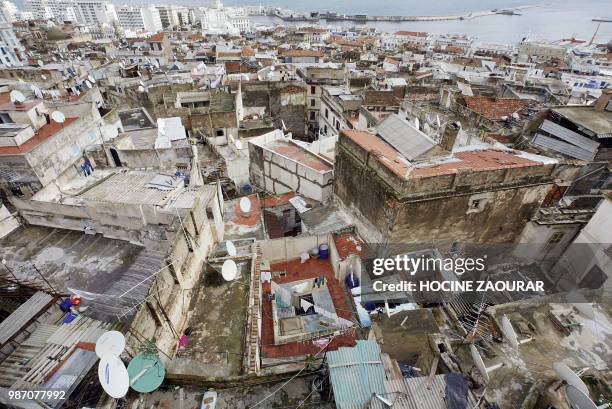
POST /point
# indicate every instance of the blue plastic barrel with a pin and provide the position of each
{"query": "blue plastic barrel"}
(323, 251)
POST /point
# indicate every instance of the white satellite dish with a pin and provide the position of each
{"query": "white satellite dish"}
(141, 89)
(510, 334)
(570, 377)
(17, 96)
(110, 343)
(245, 205)
(578, 400)
(229, 270)
(113, 376)
(44, 77)
(58, 117)
(231, 249)
(484, 371)
(40, 63)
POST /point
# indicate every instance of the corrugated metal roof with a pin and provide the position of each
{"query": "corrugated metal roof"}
(562, 147)
(356, 373)
(405, 138)
(15, 322)
(412, 393)
(569, 136)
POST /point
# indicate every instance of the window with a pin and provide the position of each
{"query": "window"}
(219, 132)
(312, 102)
(312, 89)
(326, 113)
(338, 126)
(325, 130)
(556, 237)
(312, 115)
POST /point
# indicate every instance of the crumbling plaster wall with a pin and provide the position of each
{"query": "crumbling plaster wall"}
(438, 209)
(163, 317)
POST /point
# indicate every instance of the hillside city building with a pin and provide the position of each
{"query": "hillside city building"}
(201, 210)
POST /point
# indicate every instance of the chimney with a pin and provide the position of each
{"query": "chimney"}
(449, 135)
(604, 102)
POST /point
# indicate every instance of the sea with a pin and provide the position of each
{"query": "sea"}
(550, 21)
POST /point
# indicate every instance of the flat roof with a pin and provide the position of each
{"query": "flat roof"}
(134, 187)
(476, 161)
(44, 133)
(68, 259)
(294, 151)
(599, 122)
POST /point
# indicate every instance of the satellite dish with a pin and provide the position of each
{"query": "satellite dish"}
(58, 117)
(231, 249)
(245, 204)
(17, 97)
(146, 372)
(570, 377)
(510, 334)
(40, 63)
(111, 343)
(481, 365)
(229, 271)
(113, 376)
(43, 76)
(141, 89)
(91, 79)
(578, 400)
(239, 144)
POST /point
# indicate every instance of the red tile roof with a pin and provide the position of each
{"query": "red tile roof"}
(157, 37)
(348, 244)
(295, 271)
(382, 150)
(411, 33)
(494, 109)
(302, 53)
(475, 161)
(42, 135)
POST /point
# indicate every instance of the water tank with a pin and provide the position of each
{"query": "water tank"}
(323, 251)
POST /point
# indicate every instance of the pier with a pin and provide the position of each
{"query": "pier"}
(287, 15)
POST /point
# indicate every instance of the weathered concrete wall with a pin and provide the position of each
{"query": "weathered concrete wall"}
(155, 158)
(285, 101)
(163, 317)
(438, 209)
(278, 174)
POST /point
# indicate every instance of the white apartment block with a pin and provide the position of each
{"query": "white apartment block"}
(10, 48)
(139, 18)
(60, 10)
(172, 15)
(8, 10)
(95, 12)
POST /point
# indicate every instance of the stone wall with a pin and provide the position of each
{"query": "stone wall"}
(285, 101)
(437, 209)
